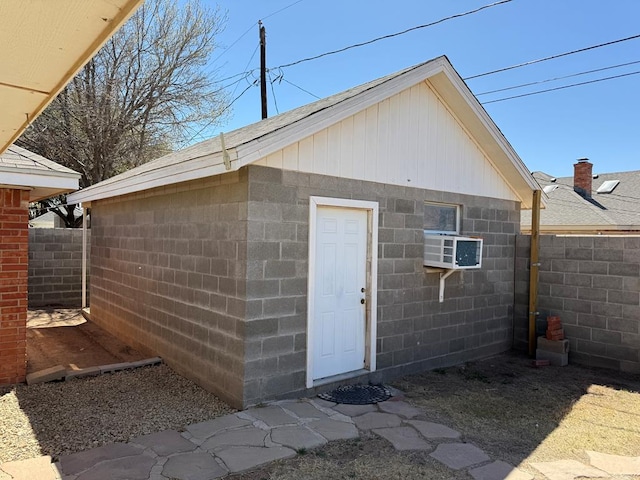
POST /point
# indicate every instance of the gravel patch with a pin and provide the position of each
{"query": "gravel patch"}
(60, 418)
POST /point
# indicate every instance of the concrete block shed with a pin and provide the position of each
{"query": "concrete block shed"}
(287, 256)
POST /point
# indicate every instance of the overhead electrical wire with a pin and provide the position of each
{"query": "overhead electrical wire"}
(273, 92)
(552, 57)
(557, 78)
(391, 35)
(300, 88)
(225, 50)
(561, 88)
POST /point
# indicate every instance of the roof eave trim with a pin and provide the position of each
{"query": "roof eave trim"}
(194, 169)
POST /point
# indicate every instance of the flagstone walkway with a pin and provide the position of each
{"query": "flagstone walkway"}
(249, 439)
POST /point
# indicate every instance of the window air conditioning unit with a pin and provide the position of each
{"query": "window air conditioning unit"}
(452, 252)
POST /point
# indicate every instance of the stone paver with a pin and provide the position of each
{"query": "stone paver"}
(39, 467)
(193, 466)
(615, 464)
(78, 462)
(403, 438)
(247, 440)
(567, 470)
(240, 459)
(459, 455)
(355, 410)
(334, 429)
(127, 468)
(298, 437)
(246, 436)
(372, 420)
(399, 408)
(434, 430)
(303, 409)
(499, 470)
(204, 430)
(165, 443)
(272, 416)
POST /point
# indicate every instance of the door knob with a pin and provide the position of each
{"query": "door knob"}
(362, 300)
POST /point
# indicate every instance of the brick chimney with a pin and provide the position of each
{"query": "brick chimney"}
(582, 177)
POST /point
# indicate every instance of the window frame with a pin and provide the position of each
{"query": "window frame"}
(458, 212)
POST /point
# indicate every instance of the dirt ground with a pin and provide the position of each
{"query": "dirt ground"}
(514, 412)
(64, 337)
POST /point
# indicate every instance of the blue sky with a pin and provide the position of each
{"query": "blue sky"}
(549, 131)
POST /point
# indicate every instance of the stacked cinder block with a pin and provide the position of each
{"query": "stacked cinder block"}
(553, 346)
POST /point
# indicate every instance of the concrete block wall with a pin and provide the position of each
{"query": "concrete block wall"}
(593, 284)
(415, 331)
(168, 276)
(55, 267)
(14, 225)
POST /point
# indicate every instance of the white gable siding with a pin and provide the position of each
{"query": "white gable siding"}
(408, 139)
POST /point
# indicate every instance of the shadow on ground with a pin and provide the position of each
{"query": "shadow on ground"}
(514, 412)
(64, 337)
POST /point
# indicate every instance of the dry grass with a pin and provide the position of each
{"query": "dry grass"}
(514, 412)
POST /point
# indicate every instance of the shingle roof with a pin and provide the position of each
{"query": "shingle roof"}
(256, 141)
(252, 132)
(618, 210)
(18, 158)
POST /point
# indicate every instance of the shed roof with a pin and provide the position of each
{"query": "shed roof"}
(20, 168)
(253, 142)
(567, 211)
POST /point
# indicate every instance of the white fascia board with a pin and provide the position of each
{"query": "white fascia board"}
(34, 178)
(279, 139)
(193, 169)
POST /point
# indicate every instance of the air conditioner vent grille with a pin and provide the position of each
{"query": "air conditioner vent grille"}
(453, 252)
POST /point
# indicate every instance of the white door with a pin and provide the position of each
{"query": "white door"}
(340, 280)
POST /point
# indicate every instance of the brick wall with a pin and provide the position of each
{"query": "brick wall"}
(168, 277)
(55, 267)
(593, 284)
(14, 224)
(415, 331)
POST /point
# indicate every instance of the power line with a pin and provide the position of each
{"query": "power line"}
(208, 124)
(552, 57)
(562, 88)
(557, 78)
(225, 50)
(282, 9)
(384, 37)
(273, 92)
(300, 88)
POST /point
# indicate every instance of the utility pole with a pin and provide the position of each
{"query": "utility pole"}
(263, 69)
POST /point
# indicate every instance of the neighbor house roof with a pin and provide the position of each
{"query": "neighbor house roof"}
(566, 211)
(43, 44)
(20, 168)
(251, 143)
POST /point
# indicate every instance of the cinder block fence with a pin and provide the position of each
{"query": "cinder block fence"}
(593, 284)
(55, 267)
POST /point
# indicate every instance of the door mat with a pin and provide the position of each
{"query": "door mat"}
(357, 394)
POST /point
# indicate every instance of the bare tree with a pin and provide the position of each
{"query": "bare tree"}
(143, 92)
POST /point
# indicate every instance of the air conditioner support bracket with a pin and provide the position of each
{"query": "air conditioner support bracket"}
(443, 276)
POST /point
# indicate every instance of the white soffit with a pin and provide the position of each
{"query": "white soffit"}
(43, 44)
